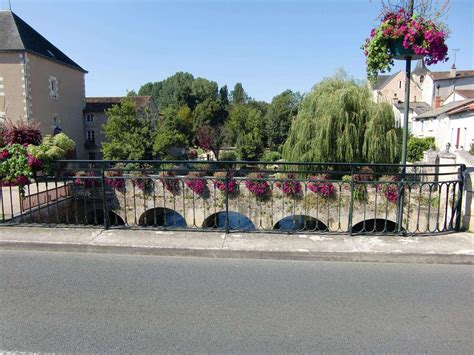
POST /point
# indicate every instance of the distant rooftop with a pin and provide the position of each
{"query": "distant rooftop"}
(417, 107)
(443, 75)
(17, 35)
(468, 94)
(100, 104)
(452, 107)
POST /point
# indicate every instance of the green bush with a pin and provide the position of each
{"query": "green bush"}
(472, 149)
(416, 147)
(270, 155)
(228, 156)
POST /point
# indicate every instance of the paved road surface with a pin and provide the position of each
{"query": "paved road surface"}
(54, 302)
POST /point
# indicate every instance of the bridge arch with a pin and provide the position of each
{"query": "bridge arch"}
(300, 223)
(162, 217)
(97, 217)
(374, 225)
(237, 221)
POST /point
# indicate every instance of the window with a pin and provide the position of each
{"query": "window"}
(91, 136)
(400, 84)
(89, 117)
(53, 87)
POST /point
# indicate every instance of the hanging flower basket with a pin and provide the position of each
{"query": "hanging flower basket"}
(401, 36)
(400, 52)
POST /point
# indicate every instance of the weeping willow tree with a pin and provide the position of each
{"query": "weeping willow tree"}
(338, 122)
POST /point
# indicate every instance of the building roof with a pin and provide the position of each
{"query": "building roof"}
(452, 107)
(417, 107)
(468, 94)
(100, 104)
(444, 75)
(17, 35)
(383, 80)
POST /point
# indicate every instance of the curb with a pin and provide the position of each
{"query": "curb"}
(457, 259)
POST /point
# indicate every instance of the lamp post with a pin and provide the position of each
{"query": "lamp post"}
(406, 109)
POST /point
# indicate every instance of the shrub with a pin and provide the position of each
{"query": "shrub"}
(228, 156)
(417, 146)
(21, 132)
(360, 193)
(270, 155)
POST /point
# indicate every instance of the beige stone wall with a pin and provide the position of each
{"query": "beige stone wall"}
(99, 119)
(396, 86)
(67, 107)
(13, 89)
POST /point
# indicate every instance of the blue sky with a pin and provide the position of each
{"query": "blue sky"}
(268, 45)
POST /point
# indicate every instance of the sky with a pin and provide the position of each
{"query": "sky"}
(267, 45)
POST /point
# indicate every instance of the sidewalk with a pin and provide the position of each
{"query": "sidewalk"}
(445, 249)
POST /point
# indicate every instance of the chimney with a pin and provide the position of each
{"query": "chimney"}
(452, 72)
(438, 102)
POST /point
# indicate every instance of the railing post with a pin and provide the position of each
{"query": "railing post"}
(462, 171)
(351, 204)
(227, 228)
(401, 200)
(104, 198)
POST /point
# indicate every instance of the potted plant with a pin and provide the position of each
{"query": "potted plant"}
(401, 35)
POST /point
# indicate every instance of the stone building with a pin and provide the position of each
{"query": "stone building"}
(38, 82)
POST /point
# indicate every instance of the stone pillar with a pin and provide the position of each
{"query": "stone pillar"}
(468, 202)
(447, 158)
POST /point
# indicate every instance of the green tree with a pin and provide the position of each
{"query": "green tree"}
(224, 96)
(338, 122)
(244, 128)
(166, 139)
(239, 96)
(207, 113)
(128, 132)
(203, 89)
(279, 116)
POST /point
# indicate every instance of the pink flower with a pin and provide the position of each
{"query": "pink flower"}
(4, 154)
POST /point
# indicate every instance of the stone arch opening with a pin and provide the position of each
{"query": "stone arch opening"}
(300, 223)
(97, 217)
(375, 225)
(162, 217)
(237, 221)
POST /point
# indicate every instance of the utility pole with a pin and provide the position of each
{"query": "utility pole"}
(406, 112)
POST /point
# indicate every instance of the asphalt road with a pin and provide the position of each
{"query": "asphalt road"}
(55, 302)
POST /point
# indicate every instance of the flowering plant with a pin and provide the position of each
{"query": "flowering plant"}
(290, 186)
(196, 183)
(420, 35)
(14, 168)
(256, 185)
(115, 179)
(169, 182)
(319, 185)
(220, 183)
(86, 179)
(389, 188)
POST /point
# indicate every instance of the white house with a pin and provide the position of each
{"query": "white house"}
(452, 125)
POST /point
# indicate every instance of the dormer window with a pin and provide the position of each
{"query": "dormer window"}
(53, 87)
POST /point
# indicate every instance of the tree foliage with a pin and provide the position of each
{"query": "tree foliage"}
(210, 139)
(239, 97)
(128, 132)
(338, 122)
(281, 112)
